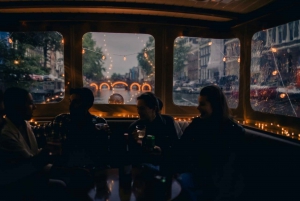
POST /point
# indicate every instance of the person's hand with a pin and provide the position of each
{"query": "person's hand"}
(136, 136)
(155, 151)
(52, 149)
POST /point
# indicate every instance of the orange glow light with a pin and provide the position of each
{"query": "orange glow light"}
(144, 85)
(119, 83)
(94, 85)
(106, 84)
(135, 84)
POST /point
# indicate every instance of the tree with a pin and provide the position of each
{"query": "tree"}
(116, 77)
(146, 57)
(47, 40)
(180, 54)
(92, 59)
(17, 65)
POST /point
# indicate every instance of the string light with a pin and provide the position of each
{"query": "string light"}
(124, 58)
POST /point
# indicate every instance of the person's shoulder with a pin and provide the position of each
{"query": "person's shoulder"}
(197, 120)
(62, 116)
(234, 127)
(167, 118)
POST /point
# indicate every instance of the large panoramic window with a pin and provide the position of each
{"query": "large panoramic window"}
(118, 67)
(275, 70)
(33, 61)
(199, 62)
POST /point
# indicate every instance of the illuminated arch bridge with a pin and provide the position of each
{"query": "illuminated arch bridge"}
(141, 87)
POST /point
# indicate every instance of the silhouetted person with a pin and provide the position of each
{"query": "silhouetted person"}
(85, 135)
(163, 129)
(177, 127)
(19, 152)
(210, 150)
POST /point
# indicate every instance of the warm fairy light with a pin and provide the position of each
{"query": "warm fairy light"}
(224, 59)
(274, 72)
(10, 40)
(124, 58)
(103, 57)
(273, 49)
(83, 51)
(16, 62)
(62, 41)
(282, 95)
(239, 60)
(209, 43)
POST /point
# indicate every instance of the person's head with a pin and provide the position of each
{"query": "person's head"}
(147, 106)
(18, 103)
(116, 99)
(212, 103)
(160, 105)
(81, 100)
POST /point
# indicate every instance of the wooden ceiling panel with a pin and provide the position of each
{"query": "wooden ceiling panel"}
(236, 6)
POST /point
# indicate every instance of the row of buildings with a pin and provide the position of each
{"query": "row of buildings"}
(274, 52)
(54, 59)
(210, 59)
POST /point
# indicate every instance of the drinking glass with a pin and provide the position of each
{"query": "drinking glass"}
(141, 130)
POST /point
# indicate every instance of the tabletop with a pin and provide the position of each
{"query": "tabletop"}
(142, 186)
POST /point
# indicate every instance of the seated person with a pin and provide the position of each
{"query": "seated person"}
(23, 165)
(210, 150)
(163, 129)
(84, 136)
(177, 127)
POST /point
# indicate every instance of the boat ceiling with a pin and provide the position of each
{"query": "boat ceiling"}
(207, 10)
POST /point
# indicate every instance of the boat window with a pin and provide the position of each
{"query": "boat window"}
(33, 61)
(118, 67)
(199, 62)
(275, 70)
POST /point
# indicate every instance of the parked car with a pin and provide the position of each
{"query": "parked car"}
(36, 77)
(263, 91)
(47, 78)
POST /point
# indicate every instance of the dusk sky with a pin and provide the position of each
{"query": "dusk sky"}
(117, 46)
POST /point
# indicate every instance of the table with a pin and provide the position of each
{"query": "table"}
(107, 187)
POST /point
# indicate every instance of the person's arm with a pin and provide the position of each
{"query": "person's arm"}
(9, 144)
(14, 172)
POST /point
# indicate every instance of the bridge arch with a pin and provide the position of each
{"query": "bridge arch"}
(135, 84)
(104, 83)
(94, 85)
(146, 85)
(119, 82)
